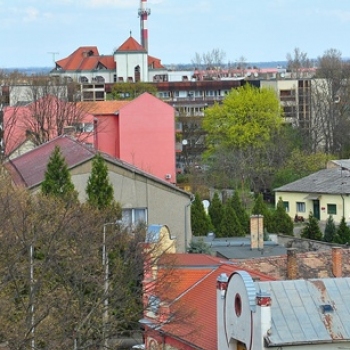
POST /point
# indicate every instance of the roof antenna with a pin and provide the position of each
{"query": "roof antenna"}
(130, 33)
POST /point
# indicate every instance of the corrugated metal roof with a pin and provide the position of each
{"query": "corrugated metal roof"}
(298, 315)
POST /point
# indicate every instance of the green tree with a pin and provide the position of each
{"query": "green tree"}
(260, 208)
(216, 212)
(242, 215)
(57, 180)
(342, 235)
(200, 221)
(99, 190)
(300, 164)
(129, 91)
(230, 225)
(282, 221)
(311, 229)
(330, 230)
(246, 119)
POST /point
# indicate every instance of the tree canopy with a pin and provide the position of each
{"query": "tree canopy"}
(57, 181)
(99, 189)
(200, 221)
(246, 118)
(128, 91)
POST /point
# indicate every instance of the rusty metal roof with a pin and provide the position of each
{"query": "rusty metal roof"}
(314, 311)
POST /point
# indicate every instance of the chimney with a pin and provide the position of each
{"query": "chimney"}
(144, 12)
(164, 313)
(337, 261)
(292, 266)
(257, 232)
(263, 302)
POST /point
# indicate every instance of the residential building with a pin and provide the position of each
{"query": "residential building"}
(196, 301)
(181, 311)
(295, 314)
(143, 197)
(323, 193)
(140, 132)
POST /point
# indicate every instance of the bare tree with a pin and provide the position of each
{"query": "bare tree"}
(46, 117)
(212, 61)
(331, 91)
(298, 62)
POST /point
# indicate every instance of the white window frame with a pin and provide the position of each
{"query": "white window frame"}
(130, 216)
(300, 207)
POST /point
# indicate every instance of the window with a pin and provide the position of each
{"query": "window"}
(134, 217)
(84, 79)
(331, 209)
(301, 207)
(84, 127)
(286, 206)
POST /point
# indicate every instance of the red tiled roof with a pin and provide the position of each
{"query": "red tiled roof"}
(108, 61)
(130, 45)
(103, 107)
(29, 169)
(194, 298)
(86, 58)
(154, 63)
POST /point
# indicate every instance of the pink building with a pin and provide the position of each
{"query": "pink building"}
(140, 132)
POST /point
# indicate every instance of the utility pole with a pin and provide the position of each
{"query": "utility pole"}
(53, 55)
(2, 144)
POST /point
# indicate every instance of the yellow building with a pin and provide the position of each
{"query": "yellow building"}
(324, 193)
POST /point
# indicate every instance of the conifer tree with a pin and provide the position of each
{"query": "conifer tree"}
(282, 221)
(230, 225)
(242, 215)
(342, 235)
(57, 180)
(99, 190)
(216, 213)
(260, 208)
(330, 230)
(311, 229)
(200, 221)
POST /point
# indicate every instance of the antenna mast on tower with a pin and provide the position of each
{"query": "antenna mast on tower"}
(144, 12)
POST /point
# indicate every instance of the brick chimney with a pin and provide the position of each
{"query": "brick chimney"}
(257, 232)
(292, 265)
(337, 261)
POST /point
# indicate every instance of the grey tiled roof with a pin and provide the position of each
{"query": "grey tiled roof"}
(327, 181)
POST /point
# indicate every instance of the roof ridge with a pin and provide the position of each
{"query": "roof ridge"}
(194, 285)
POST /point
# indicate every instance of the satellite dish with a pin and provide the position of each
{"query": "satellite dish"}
(206, 203)
(282, 75)
(256, 74)
(249, 74)
(184, 142)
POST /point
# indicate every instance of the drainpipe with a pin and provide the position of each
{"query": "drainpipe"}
(187, 206)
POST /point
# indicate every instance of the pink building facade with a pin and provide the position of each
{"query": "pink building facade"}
(140, 132)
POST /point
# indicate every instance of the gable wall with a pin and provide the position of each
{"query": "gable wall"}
(165, 205)
(147, 136)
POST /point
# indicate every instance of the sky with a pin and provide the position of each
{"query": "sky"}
(35, 33)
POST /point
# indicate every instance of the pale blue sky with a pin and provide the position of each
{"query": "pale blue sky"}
(259, 30)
